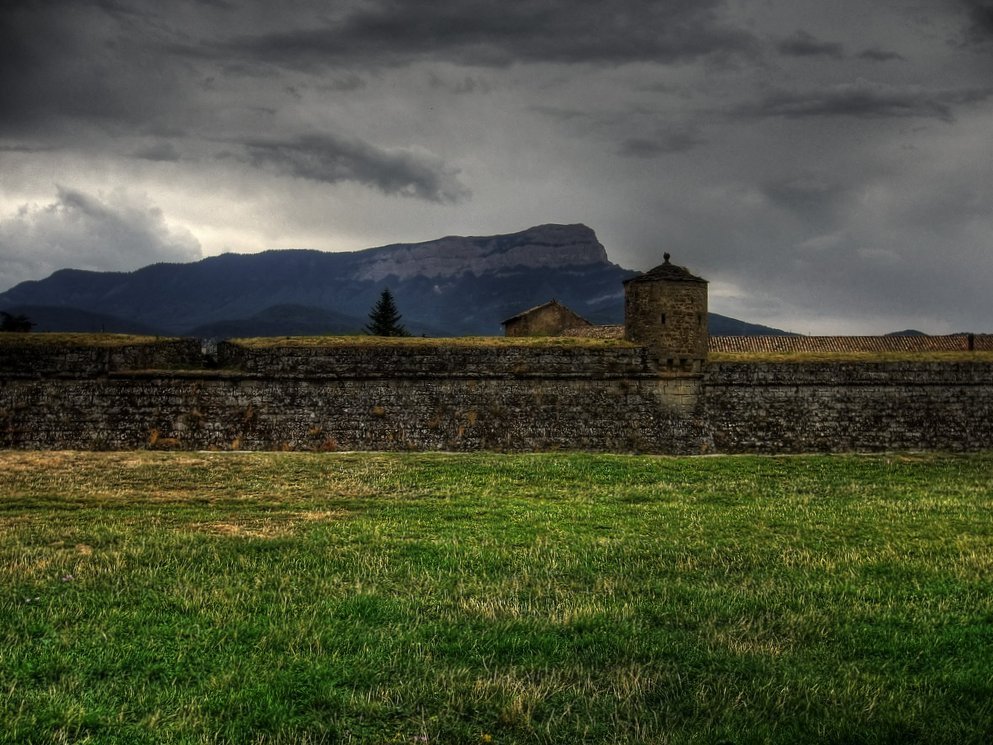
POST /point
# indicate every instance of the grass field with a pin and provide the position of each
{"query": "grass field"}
(432, 598)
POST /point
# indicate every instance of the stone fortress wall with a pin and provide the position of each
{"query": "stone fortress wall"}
(654, 392)
(456, 396)
(806, 407)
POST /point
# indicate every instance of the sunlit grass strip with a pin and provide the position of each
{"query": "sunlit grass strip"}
(185, 597)
(362, 340)
(60, 339)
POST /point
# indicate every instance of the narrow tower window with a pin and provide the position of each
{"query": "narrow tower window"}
(662, 319)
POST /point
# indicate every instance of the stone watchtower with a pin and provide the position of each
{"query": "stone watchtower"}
(665, 309)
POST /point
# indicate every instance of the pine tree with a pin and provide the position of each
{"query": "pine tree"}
(384, 318)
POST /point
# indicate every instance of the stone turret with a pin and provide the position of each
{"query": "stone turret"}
(665, 309)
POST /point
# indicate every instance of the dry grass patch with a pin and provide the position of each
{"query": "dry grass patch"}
(62, 339)
(267, 529)
(36, 460)
(280, 525)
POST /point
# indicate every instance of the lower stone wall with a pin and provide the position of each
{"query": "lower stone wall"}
(732, 408)
(223, 411)
(840, 407)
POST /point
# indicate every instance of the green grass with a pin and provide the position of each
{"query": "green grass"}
(432, 598)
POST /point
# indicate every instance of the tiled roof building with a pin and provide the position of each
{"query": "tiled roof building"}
(547, 319)
(665, 309)
(797, 344)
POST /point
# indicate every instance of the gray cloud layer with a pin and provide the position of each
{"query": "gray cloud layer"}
(803, 44)
(480, 32)
(105, 68)
(330, 159)
(865, 99)
(980, 20)
(825, 164)
(79, 230)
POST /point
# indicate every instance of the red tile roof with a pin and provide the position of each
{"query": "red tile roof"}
(789, 344)
(794, 344)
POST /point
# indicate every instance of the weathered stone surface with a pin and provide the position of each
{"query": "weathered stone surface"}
(665, 310)
(137, 411)
(81, 361)
(439, 360)
(550, 319)
(450, 397)
(838, 407)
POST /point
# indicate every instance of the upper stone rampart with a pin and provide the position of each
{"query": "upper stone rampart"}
(439, 359)
(90, 355)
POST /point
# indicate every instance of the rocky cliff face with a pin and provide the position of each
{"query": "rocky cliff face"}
(449, 286)
(542, 246)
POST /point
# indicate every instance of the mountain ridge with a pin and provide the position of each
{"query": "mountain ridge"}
(449, 286)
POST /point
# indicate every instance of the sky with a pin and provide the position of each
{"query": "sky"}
(828, 166)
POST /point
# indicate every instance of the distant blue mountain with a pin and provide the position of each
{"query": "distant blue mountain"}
(63, 318)
(452, 286)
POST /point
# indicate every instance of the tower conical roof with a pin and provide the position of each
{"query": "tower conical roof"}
(666, 273)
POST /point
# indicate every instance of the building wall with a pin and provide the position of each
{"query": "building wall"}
(450, 397)
(549, 320)
(839, 407)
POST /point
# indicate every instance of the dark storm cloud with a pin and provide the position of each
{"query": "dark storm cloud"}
(585, 111)
(329, 159)
(460, 85)
(803, 44)
(816, 200)
(559, 113)
(159, 151)
(980, 19)
(64, 62)
(865, 100)
(662, 143)
(481, 32)
(350, 82)
(83, 231)
(73, 73)
(875, 54)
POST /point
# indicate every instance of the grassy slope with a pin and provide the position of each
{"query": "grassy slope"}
(548, 598)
